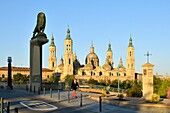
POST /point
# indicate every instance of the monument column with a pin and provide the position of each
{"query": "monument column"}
(147, 80)
(36, 43)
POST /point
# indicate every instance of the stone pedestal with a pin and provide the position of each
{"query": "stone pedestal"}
(147, 81)
(36, 61)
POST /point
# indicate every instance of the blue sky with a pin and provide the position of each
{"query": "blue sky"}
(148, 21)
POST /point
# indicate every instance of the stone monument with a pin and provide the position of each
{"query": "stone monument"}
(39, 38)
(147, 79)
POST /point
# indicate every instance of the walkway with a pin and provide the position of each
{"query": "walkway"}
(16, 97)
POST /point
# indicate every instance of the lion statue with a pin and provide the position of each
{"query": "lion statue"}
(41, 21)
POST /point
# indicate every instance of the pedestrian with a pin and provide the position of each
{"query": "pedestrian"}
(74, 86)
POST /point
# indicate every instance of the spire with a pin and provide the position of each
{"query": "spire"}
(75, 56)
(92, 48)
(91, 43)
(120, 63)
(109, 47)
(61, 60)
(68, 37)
(52, 41)
(130, 42)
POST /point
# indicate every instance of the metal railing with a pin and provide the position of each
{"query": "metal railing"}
(4, 107)
(100, 87)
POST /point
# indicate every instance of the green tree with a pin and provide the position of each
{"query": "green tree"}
(102, 82)
(135, 90)
(92, 81)
(53, 79)
(68, 80)
(162, 90)
(157, 83)
(20, 78)
(114, 83)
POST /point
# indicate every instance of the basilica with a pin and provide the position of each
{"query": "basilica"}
(70, 65)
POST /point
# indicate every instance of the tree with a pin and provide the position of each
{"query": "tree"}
(20, 78)
(162, 90)
(53, 79)
(69, 79)
(92, 81)
(135, 90)
(157, 83)
(114, 83)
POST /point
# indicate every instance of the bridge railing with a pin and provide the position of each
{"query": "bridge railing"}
(100, 87)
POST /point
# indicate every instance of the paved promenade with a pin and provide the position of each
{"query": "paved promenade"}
(28, 102)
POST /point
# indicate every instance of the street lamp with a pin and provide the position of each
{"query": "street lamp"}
(9, 85)
(118, 79)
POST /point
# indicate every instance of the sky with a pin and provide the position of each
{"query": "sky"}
(97, 21)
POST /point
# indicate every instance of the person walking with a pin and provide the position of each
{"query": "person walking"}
(74, 86)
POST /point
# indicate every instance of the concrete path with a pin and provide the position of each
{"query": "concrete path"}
(43, 103)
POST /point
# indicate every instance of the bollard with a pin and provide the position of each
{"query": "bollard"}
(100, 103)
(26, 88)
(68, 96)
(30, 88)
(8, 107)
(16, 110)
(2, 104)
(81, 100)
(39, 90)
(58, 95)
(51, 92)
(44, 91)
(34, 89)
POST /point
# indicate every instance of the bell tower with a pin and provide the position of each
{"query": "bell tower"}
(68, 54)
(110, 55)
(130, 61)
(52, 60)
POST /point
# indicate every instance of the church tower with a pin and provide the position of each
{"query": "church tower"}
(52, 60)
(110, 55)
(130, 61)
(68, 54)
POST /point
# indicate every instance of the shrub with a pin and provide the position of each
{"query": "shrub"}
(20, 78)
(155, 98)
(103, 93)
(120, 96)
(92, 81)
(135, 91)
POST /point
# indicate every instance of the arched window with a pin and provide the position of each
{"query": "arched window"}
(52, 64)
(3, 76)
(91, 73)
(69, 61)
(130, 53)
(100, 73)
(83, 73)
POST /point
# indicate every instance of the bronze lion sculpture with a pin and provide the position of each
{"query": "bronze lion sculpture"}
(41, 21)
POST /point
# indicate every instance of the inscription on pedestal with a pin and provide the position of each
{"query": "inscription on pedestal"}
(36, 78)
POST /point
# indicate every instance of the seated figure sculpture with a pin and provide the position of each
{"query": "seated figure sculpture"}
(40, 27)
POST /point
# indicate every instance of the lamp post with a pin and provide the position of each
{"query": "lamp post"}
(9, 85)
(118, 80)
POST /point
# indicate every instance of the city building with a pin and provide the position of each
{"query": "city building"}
(70, 65)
